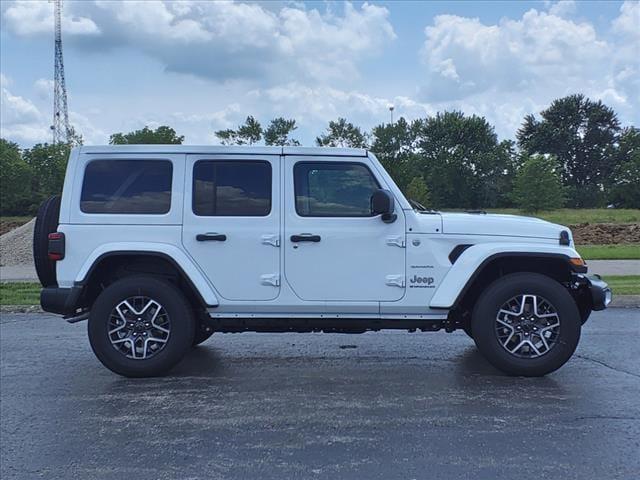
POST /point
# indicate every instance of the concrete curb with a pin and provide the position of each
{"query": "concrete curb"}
(21, 309)
(625, 301)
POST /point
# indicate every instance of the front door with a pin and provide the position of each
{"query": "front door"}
(335, 249)
(231, 224)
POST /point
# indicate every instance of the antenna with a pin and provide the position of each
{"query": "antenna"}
(60, 128)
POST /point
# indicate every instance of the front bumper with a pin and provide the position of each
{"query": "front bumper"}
(62, 301)
(600, 292)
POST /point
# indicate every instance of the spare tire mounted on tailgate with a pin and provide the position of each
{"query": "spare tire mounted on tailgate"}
(46, 223)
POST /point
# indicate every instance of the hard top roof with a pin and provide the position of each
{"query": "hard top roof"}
(223, 149)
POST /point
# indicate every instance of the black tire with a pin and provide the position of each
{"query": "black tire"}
(467, 329)
(46, 222)
(500, 292)
(203, 333)
(180, 337)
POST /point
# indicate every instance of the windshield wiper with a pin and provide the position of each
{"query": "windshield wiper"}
(421, 208)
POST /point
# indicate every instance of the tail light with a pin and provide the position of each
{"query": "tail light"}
(56, 246)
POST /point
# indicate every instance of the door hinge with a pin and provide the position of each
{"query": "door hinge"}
(272, 239)
(396, 281)
(272, 279)
(397, 241)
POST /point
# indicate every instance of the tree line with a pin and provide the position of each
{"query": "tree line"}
(574, 154)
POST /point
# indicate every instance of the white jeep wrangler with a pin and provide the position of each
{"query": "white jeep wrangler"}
(161, 246)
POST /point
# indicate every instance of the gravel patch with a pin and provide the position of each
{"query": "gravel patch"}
(16, 245)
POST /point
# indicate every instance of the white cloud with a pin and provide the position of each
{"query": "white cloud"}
(44, 88)
(20, 119)
(222, 40)
(623, 82)
(314, 107)
(465, 56)
(17, 110)
(34, 18)
(518, 66)
(563, 8)
(628, 22)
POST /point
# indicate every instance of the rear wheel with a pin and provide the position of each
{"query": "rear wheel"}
(141, 326)
(46, 223)
(526, 324)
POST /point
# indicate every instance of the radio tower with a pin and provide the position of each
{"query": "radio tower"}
(61, 129)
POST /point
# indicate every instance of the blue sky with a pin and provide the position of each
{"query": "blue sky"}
(204, 66)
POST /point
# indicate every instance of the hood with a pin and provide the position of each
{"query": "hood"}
(502, 225)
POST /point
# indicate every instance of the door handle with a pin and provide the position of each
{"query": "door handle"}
(305, 237)
(211, 237)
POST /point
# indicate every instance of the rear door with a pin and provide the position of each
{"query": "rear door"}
(231, 223)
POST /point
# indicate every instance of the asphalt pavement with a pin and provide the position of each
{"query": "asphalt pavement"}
(377, 406)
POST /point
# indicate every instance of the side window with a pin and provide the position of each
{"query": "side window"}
(331, 189)
(231, 188)
(127, 187)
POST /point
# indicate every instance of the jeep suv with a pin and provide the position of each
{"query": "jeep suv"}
(160, 246)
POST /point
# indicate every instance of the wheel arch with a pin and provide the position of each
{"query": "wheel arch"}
(106, 265)
(477, 267)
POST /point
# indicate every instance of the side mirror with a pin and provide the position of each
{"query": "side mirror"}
(383, 203)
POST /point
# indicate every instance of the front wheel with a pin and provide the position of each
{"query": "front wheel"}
(526, 324)
(141, 326)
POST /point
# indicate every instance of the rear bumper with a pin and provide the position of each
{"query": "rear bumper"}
(600, 292)
(62, 301)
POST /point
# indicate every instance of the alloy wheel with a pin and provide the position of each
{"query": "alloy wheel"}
(527, 326)
(139, 327)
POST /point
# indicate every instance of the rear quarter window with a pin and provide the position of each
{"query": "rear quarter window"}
(127, 187)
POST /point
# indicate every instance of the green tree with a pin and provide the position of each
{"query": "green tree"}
(625, 185)
(161, 135)
(417, 190)
(538, 185)
(249, 133)
(75, 138)
(462, 162)
(581, 134)
(48, 164)
(15, 181)
(394, 144)
(278, 132)
(343, 134)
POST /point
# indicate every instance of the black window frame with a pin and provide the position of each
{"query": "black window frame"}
(132, 159)
(230, 161)
(308, 162)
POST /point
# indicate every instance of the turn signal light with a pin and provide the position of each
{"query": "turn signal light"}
(578, 262)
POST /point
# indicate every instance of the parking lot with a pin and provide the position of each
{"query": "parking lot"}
(379, 405)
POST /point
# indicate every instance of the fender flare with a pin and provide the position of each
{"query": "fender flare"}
(473, 260)
(169, 252)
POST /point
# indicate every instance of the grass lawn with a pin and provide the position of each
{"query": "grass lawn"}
(29, 293)
(610, 252)
(570, 216)
(19, 293)
(624, 285)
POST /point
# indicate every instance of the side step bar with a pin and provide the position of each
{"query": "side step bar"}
(327, 325)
